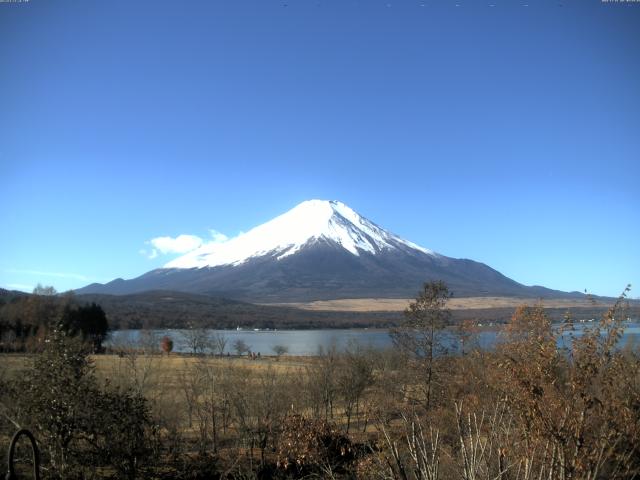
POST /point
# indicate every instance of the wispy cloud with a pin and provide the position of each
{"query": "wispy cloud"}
(181, 244)
(150, 254)
(39, 273)
(19, 286)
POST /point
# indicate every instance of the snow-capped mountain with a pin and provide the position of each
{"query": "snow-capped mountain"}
(287, 234)
(319, 250)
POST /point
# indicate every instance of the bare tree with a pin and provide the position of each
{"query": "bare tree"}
(240, 346)
(414, 456)
(196, 339)
(44, 290)
(322, 385)
(135, 367)
(260, 402)
(211, 405)
(418, 333)
(219, 343)
(148, 341)
(190, 387)
(280, 350)
(467, 332)
(353, 377)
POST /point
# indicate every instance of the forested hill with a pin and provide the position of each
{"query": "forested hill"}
(7, 296)
(164, 309)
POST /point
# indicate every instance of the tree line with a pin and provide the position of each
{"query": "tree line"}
(25, 321)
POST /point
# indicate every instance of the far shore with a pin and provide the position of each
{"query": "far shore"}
(399, 304)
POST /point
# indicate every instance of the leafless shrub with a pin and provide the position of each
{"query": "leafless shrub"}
(409, 455)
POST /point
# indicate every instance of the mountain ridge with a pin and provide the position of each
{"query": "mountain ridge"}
(320, 250)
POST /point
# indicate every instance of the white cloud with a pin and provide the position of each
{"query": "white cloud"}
(181, 244)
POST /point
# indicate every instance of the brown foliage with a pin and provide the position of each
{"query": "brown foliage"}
(166, 344)
(575, 409)
(309, 444)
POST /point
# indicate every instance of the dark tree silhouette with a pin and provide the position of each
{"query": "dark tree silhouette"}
(88, 321)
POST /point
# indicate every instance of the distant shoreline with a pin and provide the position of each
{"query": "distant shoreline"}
(466, 303)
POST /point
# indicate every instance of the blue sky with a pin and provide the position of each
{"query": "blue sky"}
(505, 132)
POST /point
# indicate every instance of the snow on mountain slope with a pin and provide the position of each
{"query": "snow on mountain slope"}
(319, 250)
(285, 235)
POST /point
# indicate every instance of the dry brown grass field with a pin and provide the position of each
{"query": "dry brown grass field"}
(163, 375)
(180, 387)
(164, 378)
(399, 304)
(172, 364)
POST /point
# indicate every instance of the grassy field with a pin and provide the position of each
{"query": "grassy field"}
(399, 304)
(170, 367)
(177, 387)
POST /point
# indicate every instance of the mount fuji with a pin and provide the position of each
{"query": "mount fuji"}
(319, 250)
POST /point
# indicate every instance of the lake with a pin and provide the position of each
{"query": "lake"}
(307, 342)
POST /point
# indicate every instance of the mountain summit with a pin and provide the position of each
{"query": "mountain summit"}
(319, 250)
(308, 223)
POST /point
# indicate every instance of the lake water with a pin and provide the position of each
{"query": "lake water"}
(307, 342)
